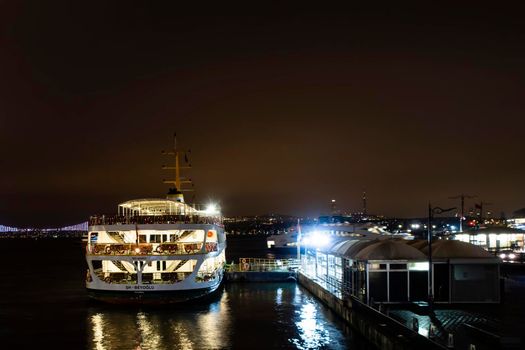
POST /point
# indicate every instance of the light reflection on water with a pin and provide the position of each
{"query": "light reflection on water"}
(243, 315)
(311, 330)
(157, 328)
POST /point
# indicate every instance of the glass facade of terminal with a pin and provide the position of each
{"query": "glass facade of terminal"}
(403, 280)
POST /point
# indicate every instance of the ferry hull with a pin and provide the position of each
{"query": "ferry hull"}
(151, 297)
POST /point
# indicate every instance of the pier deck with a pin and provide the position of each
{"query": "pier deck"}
(262, 270)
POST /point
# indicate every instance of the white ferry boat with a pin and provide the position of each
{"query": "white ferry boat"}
(156, 250)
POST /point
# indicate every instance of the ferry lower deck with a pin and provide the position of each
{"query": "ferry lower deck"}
(154, 263)
(143, 295)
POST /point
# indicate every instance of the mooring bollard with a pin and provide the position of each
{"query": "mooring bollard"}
(450, 343)
(415, 324)
(472, 347)
(431, 331)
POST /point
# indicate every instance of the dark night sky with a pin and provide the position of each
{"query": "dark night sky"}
(284, 107)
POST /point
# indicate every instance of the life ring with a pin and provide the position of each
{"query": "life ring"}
(108, 249)
(243, 261)
(159, 249)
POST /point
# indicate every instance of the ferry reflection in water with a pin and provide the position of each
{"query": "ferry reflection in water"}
(174, 328)
(243, 315)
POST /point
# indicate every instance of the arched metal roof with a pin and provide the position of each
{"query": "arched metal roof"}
(457, 249)
(399, 249)
(389, 249)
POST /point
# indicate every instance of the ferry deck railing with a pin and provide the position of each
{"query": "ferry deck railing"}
(154, 219)
(150, 249)
(131, 278)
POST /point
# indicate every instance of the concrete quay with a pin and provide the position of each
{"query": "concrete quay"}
(384, 332)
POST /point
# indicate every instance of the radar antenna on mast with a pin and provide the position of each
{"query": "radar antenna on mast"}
(178, 181)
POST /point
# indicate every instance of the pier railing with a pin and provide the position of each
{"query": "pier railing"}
(264, 265)
(335, 286)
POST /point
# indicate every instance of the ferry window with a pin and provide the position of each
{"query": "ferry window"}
(142, 239)
(161, 265)
(155, 238)
(164, 238)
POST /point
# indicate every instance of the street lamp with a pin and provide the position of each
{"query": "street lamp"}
(431, 212)
(299, 238)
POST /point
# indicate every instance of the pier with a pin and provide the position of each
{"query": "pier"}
(262, 270)
(387, 324)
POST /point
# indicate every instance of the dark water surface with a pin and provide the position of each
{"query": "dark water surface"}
(43, 303)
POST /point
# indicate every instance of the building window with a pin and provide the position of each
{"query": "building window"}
(398, 266)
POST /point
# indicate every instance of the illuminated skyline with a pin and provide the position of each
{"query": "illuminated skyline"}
(284, 108)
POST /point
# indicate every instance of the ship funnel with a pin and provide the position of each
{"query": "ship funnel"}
(175, 195)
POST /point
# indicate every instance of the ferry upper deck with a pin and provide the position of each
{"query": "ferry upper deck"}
(159, 211)
(156, 227)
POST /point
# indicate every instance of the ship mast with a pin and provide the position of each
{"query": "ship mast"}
(178, 181)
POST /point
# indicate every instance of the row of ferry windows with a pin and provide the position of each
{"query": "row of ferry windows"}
(157, 238)
(164, 237)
